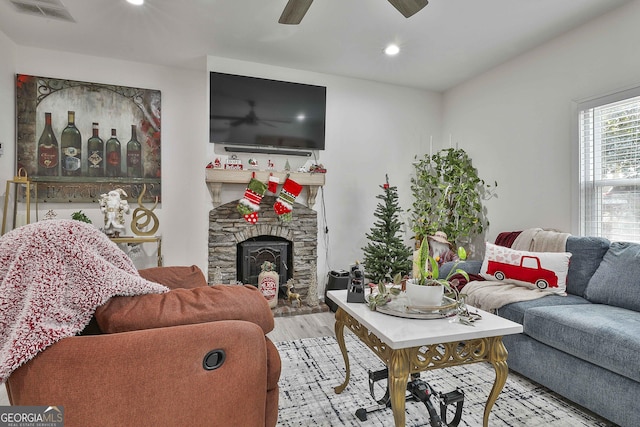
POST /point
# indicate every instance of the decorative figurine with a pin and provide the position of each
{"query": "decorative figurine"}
(142, 217)
(292, 296)
(114, 208)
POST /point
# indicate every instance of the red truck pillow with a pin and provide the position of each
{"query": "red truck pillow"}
(537, 270)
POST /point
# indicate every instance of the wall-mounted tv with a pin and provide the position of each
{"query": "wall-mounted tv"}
(266, 114)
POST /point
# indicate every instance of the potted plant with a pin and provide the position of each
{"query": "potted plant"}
(427, 289)
(80, 216)
(448, 195)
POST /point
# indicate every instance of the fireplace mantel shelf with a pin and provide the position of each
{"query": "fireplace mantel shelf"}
(215, 178)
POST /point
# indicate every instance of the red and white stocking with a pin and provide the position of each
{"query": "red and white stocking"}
(284, 205)
(272, 185)
(249, 205)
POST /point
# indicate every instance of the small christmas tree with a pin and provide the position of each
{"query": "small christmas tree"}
(386, 254)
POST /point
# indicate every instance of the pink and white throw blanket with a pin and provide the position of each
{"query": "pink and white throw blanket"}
(53, 275)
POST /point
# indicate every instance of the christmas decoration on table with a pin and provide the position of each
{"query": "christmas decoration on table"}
(216, 164)
(233, 163)
(272, 185)
(268, 281)
(114, 207)
(249, 205)
(288, 193)
(386, 255)
(317, 168)
(292, 295)
(51, 214)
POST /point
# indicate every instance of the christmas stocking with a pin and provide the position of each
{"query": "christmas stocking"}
(284, 205)
(272, 185)
(249, 205)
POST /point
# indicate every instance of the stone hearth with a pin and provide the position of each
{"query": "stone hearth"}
(227, 228)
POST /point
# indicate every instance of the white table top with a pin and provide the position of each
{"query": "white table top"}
(398, 332)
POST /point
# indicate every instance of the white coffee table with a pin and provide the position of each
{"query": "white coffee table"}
(409, 346)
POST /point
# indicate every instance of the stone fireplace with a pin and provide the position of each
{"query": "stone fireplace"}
(292, 246)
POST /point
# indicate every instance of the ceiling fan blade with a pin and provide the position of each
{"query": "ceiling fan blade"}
(409, 7)
(294, 11)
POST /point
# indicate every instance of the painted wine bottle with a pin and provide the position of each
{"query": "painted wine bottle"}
(95, 151)
(114, 156)
(134, 156)
(48, 154)
(70, 147)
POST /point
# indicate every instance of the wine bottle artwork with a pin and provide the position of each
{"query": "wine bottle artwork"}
(48, 150)
(70, 147)
(114, 156)
(134, 156)
(95, 151)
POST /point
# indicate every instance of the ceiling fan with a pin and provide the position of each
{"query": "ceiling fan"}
(295, 10)
(251, 118)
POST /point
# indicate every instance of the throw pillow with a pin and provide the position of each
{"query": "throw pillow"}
(537, 270)
(617, 280)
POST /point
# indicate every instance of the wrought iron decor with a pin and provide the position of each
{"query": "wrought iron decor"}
(78, 140)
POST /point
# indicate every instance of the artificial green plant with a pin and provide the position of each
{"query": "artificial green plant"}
(448, 195)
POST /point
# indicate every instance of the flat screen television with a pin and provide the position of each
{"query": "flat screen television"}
(263, 114)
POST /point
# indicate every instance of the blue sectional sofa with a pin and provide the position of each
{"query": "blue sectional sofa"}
(586, 346)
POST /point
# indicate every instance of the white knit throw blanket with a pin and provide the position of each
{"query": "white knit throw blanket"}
(53, 275)
(491, 295)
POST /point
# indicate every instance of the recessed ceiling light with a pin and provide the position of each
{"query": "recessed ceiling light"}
(392, 49)
(136, 2)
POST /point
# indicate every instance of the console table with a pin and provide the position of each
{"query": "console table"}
(215, 178)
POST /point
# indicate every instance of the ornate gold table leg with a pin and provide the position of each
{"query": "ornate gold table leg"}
(339, 328)
(398, 378)
(498, 358)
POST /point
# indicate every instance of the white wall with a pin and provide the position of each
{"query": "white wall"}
(516, 121)
(372, 129)
(7, 112)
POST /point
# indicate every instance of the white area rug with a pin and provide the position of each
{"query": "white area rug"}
(312, 367)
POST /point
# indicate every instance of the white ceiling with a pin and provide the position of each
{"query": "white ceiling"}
(444, 44)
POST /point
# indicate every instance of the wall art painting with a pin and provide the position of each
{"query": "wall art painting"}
(78, 140)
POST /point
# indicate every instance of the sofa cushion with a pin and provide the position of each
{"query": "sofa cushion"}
(515, 311)
(174, 277)
(184, 307)
(617, 280)
(536, 270)
(601, 334)
(586, 255)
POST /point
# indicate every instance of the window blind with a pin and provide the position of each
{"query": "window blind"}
(610, 166)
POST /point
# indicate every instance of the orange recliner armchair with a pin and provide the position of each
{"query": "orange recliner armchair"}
(197, 355)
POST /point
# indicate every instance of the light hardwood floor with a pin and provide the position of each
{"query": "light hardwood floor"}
(303, 326)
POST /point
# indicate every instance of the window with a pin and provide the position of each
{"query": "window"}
(609, 137)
